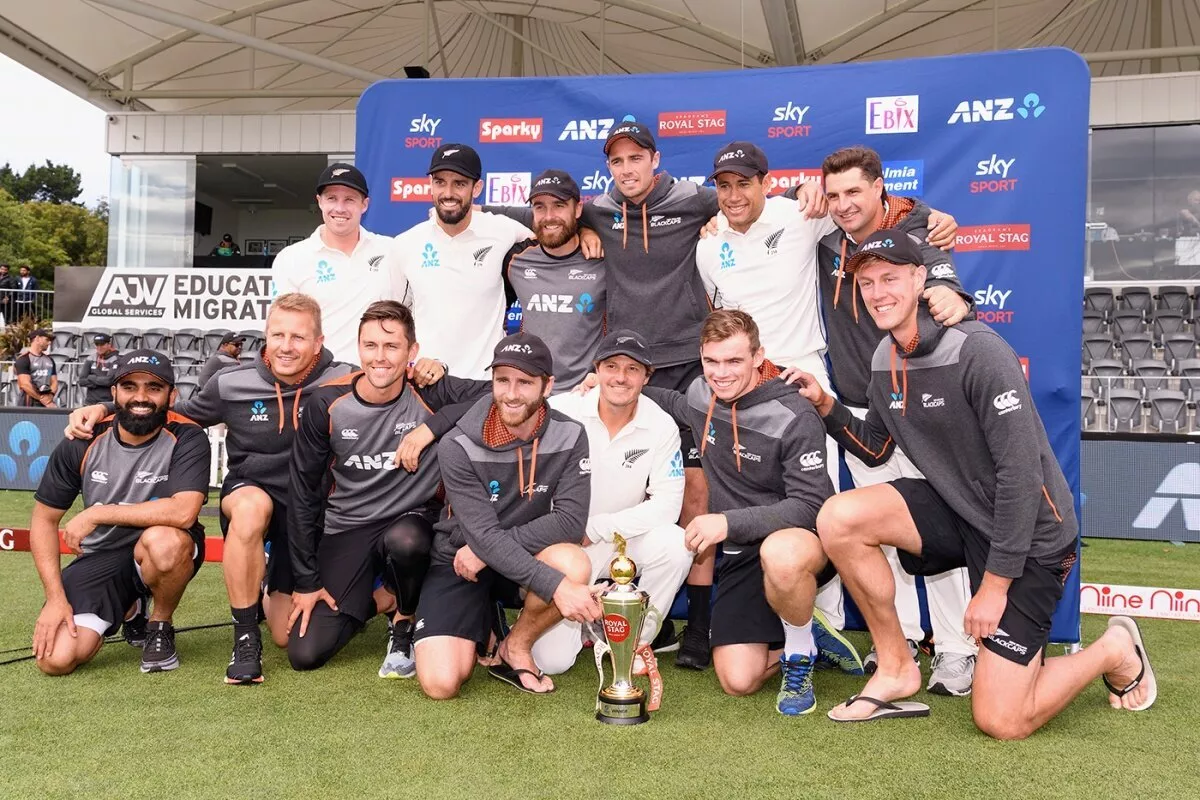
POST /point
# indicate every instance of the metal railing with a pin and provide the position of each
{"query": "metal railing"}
(17, 304)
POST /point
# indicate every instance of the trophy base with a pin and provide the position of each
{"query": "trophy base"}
(623, 711)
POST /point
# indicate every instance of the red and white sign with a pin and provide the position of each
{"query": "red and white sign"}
(616, 628)
(780, 180)
(500, 131)
(691, 123)
(411, 190)
(1013, 236)
(17, 540)
(1140, 601)
(507, 188)
(1024, 366)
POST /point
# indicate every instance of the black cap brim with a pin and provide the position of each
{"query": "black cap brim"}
(457, 170)
(745, 172)
(560, 193)
(348, 184)
(528, 368)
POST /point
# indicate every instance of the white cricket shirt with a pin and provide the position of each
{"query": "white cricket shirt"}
(343, 285)
(770, 272)
(455, 288)
(637, 475)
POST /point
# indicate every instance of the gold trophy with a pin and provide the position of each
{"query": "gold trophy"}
(624, 607)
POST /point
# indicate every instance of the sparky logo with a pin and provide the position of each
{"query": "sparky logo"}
(1181, 487)
(494, 490)
(585, 304)
(727, 259)
(324, 272)
(258, 411)
(772, 241)
(429, 257)
(480, 254)
(631, 456)
(675, 469)
(897, 403)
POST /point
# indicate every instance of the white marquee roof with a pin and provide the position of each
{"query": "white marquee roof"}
(236, 56)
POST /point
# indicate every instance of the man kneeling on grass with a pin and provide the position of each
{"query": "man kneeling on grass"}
(144, 478)
(517, 485)
(993, 500)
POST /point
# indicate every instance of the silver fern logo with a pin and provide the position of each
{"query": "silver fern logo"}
(772, 242)
(480, 255)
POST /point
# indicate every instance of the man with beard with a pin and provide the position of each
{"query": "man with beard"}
(341, 264)
(561, 292)
(378, 518)
(448, 268)
(517, 486)
(260, 404)
(143, 479)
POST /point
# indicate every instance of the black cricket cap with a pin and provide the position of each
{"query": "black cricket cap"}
(150, 361)
(635, 132)
(555, 183)
(624, 343)
(525, 352)
(101, 338)
(458, 158)
(340, 174)
(744, 158)
(891, 245)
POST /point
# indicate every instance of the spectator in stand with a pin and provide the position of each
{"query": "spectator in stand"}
(226, 356)
(96, 373)
(27, 284)
(226, 247)
(7, 284)
(37, 379)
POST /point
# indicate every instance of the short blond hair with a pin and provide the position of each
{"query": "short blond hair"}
(299, 302)
(725, 323)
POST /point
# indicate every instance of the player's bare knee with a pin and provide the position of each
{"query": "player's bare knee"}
(249, 511)
(739, 683)
(569, 559)
(839, 521)
(1002, 725)
(60, 662)
(166, 548)
(439, 684)
(788, 555)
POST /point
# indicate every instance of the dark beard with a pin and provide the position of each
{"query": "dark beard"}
(452, 217)
(140, 425)
(565, 235)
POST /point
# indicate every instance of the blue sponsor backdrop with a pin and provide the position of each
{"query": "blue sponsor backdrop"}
(27, 437)
(999, 140)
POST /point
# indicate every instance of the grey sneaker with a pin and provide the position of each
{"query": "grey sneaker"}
(952, 675)
(871, 662)
(399, 661)
(158, 653)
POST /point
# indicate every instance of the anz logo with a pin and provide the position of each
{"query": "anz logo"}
(22, 463)
(675, 470)
(325, 272)
(258, 412)
(494, 490)
(561, 303)
(385, 461)
(728, 261)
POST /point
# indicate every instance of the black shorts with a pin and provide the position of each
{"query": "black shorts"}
(679, 377)
(106, 582)
(349, 563)
(740, 612)
(949, 542)
(279, 566)
(454, 606)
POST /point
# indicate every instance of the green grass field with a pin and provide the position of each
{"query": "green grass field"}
(341, 732)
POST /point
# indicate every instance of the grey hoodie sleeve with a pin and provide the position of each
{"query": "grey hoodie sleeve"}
(86, 378)
(495, 545)
(522, 214)
(205, 407)
(568, 521)
(805, 480)
(450, 398)
(939, 264)
(671, 401)
(311, 452)
(999, 394)
(868, 439)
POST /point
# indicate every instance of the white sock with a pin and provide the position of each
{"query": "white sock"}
(798, 639)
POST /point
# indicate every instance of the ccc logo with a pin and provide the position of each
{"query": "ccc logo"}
(810, 460)
(1006, 401)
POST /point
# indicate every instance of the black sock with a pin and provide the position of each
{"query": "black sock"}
(245, 620)
(699, 609)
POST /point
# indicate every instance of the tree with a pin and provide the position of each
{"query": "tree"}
(49, 183)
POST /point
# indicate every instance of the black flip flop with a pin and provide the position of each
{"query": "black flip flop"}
(1145, 674)
(884, 709)
(512, 676)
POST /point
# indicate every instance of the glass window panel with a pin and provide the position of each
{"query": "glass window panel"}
(1122, 153)
(152, 212)
(1121, 238)
(1177, 152)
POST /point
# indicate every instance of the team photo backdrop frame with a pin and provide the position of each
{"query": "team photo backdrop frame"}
(999, 140)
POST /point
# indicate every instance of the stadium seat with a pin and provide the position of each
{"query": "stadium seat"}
(1096, 346)
(157, 339)
(86, 341)
(1174, 298)
(1188, 371)
(1178, 347)
(188, 340)
(1107, 374)
(1093, 322)
(186, 358)
(186, 387)
(212, 340)
(1167, 323)
(1087, 409)
(1136, 347)
(1151, 374)
(66, 340)
(247, 357)
(254, 340)
(1100, 298)
(1128, 321)
(1168, 411)
(1137, 298)
(1124, 410)
(126, 339)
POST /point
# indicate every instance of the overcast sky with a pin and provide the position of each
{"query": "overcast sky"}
(48, 122)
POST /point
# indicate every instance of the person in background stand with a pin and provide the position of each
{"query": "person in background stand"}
(96, 373)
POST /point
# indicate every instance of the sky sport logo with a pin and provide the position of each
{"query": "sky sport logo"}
(510, 131)
(990, 305)
(424, 130)
(411, 190)
(894, 114)
(791, 118)
(993, 172)
(691, 123)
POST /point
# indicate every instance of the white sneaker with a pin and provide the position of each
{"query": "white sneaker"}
(952, 675)
(399, 661)
(871, 662)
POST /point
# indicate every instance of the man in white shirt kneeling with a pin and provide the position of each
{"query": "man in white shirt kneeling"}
(637, 489)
